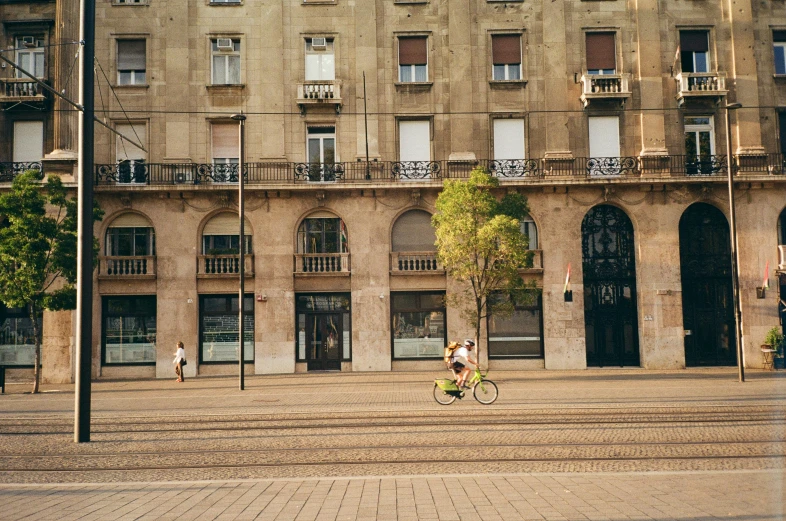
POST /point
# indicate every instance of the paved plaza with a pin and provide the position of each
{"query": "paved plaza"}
(597, 444)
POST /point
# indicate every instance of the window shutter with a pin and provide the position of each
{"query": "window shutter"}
(414, 140)
(412, 51)
(125, 150)
(226, 140)
(779, 36)
(226, 224)
(508, 139)
(601, 52)
(131, 220)
(28, 141)
(506, 49)
(694, 41)
(413, 232)
(131, 55)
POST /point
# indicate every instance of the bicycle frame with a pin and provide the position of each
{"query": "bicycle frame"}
(449, 385)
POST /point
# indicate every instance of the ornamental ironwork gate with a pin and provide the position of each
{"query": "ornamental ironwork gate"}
(610, 316)
(707, 298)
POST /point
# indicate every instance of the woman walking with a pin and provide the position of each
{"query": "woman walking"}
(180, 361)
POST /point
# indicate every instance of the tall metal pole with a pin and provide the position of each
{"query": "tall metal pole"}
(241, 268)
(735, 258)
(84, 259)
(365, 121)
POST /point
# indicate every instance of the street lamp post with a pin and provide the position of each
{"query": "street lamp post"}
(735, 259)
(242, 243)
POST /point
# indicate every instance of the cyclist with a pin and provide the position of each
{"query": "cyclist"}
(461, 358)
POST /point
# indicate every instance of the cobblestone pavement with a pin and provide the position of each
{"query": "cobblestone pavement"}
(597, 444)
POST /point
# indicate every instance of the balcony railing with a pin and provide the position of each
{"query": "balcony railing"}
(700, 84)
(20, 89)
(415, 262)
(312, 93)
(8, 171)
(224, 265)
(127, 267)
(604, 87)
(322, 263)
(534, 170)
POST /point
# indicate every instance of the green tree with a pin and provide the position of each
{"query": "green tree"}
(480, 244)
(38, 247)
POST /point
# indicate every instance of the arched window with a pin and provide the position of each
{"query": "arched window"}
(220, 235)
(130, 235)
(322, 232)
(412, 231)
(529, 229)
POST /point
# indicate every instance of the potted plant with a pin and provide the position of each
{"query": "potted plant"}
(774, 340)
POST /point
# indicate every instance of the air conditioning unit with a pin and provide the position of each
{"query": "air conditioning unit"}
(225, 44)
(319, 44)
(29, 41)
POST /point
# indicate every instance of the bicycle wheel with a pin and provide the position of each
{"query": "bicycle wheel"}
(485, 392)
(442, 397)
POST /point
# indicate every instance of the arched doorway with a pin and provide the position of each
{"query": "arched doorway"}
(610, 316)
(707, 298)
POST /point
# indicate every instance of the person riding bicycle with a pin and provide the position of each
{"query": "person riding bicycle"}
(461, 358)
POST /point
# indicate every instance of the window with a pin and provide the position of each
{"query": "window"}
(131, 61)
(17, 341)
(324, 233)
(529, 229)
(220, 236)
(413, 231)
(28, 141)
(506, 57)
(782, 130)
(130, 235)
(418, 325)
(508, 139)
(129, 334)
(226, 61)
(779, 48)
(320, 59)
(225, 142)
(324, 334)
(414, 140)
(413, 59)
(321, 152)
(604, 136)
(218, 328)
(519, 335)
(694, 51)
(601, 53)
(130, 158)
(699, 145)
(30, 55)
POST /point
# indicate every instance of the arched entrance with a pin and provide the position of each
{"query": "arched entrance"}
(610, 316)
(707, 298)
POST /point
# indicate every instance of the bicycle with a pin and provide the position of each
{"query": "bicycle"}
(485, 391)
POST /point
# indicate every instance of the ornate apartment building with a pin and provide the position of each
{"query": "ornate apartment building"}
(608, 115)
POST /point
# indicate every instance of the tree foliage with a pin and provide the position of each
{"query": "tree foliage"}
(479, 242)
(38, 249)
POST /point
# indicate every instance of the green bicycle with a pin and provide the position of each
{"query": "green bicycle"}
(485, 391)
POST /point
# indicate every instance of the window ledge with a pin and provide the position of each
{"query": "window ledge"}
(320, 2)
(411, 1)
(779, 77)
(414, 86)
(132, 87)
(507, 84)
(225, 86)
(224, 4)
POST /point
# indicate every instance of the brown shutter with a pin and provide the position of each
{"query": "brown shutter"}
(779, 36)
(506, 49)
(131, 55)
(412, 51)
(601, 53)
(694, 41)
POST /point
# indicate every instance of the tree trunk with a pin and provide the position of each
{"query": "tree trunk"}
(37, 360)
(477, 332)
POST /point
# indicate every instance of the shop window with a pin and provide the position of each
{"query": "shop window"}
(519, 335)
(17, 340)
(418, 325)
(129, 333)
(218, 328)
(323, 330)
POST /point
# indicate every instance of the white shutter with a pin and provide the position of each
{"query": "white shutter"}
(124, 148)
(28, 141)
(508, 139)
(226, 140)
(414, 140)
(604, 136)
(131, 220)
(226, 224)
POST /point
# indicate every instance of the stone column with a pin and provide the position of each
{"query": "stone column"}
(365, 54)
(459, 75)
(555, 81)
(57, 347)
(649, 73)
(275, 81)
(176, 63)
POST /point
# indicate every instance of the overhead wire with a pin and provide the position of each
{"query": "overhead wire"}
(125, 113)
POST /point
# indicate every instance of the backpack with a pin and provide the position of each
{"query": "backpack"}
(449, 352)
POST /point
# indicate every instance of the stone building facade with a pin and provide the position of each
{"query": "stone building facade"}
(607, 115)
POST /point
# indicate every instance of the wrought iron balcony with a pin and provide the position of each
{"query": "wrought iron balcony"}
(415, 262)
(127, 267)
(321, 263)
(15, 90)
(698, 85)
(315, 93)
(604, 87)
(515, 167)
(8, 171)
(612, 166)
(224, 265)
(415, 170)
(319, 172)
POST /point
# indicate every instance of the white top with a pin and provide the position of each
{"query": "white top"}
(180, 354)
(461, 355)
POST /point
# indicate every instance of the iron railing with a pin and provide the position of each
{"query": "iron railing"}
(9, 170)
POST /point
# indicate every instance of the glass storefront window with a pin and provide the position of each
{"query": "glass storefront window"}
(218, 328)
(17, 342)
(318, 315)
(519, 335)
(129, 335)
(418, 325)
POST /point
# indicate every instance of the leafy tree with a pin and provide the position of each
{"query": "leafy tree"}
(38, 248)
(479, 242)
